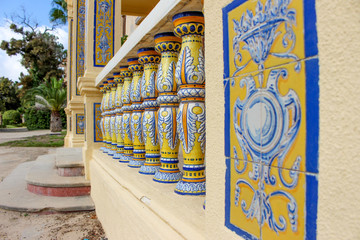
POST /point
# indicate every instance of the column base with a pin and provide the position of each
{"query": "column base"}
(118, 156)
(165, 177)
(111, 152)
(135, 163)
(190, 188)
(103, 149)
(125, 159)
(149, 170)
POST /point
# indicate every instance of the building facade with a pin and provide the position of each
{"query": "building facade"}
(216, 119)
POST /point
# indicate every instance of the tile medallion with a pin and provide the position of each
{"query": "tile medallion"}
(271, 76)
(97, 122)
(80, 123)
(104, 32)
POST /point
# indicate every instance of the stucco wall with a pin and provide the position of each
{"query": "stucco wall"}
(215, 111)
(339, 52)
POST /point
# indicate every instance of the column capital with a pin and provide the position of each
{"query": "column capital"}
(87, 88)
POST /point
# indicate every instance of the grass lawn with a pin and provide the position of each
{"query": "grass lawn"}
(38, 141)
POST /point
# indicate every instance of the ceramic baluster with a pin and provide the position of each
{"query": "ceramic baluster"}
(102, 90)
(118, 119)
(126, 115)
(112, 119)
(150, 60)
(136, 117)
(107, 116)
(169, 46)
(190, 77)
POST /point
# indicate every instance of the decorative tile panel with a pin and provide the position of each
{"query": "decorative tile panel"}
(97, 121)
(80, 123)
(271, 117)
(104, 32)
(80, 41)
(70, 58)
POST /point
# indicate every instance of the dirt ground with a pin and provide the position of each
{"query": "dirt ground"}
(47, 225)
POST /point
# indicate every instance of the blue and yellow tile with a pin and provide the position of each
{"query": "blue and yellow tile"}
(80, 123)
(104, 32)
(97, 121)
(273, 116)
(265, 33)
(289, 205)
(243, 199)
(271, 78)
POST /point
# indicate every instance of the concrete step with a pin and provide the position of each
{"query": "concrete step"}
(43, 179)
(14, 196)
(67, 151)
(69, 164)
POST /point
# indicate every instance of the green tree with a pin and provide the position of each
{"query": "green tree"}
(8, 95)
(42, 55)
(58, 14)
(50, 95)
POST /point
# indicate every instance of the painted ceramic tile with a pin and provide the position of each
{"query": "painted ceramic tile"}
(289, 205)
(80, 123)
(272, 114)
(97, 121)
(80, 41)
(276, 124)
(104, 32)
(266, 33)
(242, 199)
(69, 76)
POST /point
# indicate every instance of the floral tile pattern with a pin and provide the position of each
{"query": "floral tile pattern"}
(104, 32)
(80, 41)
(286, 203)
(243, 201)
(271, 117)
(97, 122)
(80, 123)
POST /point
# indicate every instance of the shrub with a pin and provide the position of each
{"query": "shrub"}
(40, 119)
(11, 117)
(37, 119)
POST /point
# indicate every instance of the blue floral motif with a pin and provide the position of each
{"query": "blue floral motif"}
(104, 32)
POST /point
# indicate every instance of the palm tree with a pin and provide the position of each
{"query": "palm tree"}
(58, 14)
(50, 95)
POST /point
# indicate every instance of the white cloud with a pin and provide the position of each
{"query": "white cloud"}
(11, 67)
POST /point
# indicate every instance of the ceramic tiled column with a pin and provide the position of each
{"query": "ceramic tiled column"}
(136, 117)
(112, 108)
(190, 77)
(169, 46)
(103, 91)
(126, 114)
(150, 59)
(118, 119)
(107, 115)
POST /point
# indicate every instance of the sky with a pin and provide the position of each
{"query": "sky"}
(38, 10)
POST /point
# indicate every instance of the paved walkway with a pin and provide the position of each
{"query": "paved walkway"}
(11, 136)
